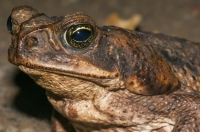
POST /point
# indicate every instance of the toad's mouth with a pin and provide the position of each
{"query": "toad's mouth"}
(101, 80)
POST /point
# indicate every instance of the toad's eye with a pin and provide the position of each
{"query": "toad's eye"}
(9, 24)
(79, 36)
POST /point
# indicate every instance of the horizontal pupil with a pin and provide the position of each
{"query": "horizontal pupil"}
(81, 35)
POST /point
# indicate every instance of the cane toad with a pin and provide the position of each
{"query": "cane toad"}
(108, 78)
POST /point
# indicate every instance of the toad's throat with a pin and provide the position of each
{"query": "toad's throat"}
(68, 85)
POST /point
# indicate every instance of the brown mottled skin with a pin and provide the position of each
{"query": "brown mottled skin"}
(121, 81)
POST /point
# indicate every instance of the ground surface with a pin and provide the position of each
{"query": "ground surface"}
(23, 104)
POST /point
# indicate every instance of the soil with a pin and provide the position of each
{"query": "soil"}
(23, 104)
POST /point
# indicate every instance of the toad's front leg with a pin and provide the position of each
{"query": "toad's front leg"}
(188, 123)
(60, 123)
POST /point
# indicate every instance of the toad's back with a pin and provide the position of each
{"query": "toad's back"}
(181, 54)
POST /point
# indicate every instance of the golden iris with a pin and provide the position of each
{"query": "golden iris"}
(79, 36)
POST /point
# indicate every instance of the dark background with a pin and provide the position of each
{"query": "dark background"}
(23, 104)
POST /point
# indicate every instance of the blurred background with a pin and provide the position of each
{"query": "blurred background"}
(23, 104)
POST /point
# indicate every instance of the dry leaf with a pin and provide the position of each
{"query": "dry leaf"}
(131, 23)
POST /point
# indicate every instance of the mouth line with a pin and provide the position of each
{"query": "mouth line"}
(66, 73)
(38, 71)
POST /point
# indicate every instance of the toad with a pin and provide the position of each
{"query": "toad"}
(108, 78)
